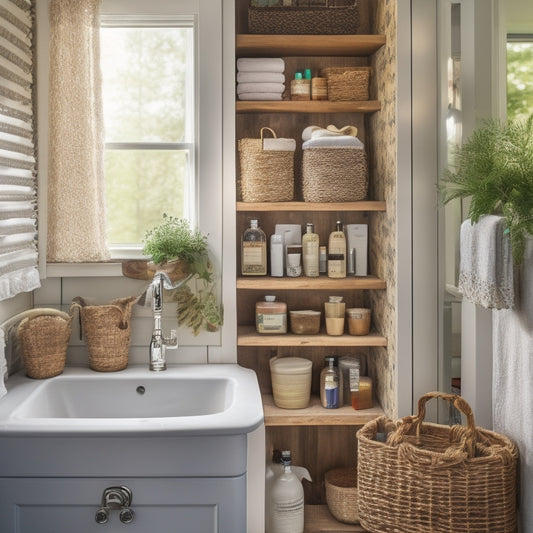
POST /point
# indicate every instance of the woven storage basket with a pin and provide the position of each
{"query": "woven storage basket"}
(434, 478)
(326, 17)
(334, 174)
(43, 341)
(266, 175)
(341, 494)
(107, 332)
(347, 84)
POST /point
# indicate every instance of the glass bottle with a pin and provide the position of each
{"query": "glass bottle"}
(310, 251)
(330, 383)
(337, 252)
(253, 251)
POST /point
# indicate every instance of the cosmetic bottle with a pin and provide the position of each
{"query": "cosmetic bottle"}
(276, 255)
(360, 390)
(337, 252)
(310, 252)
(330, 383)
(253, 251)
(323, 260)
(300, 88)
(271, 316)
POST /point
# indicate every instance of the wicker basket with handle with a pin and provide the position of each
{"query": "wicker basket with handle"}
(107, 332)
(434, 478)
(266, 175)
(43, 339)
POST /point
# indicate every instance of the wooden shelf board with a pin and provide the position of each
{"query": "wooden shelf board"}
(247, 336)
(307, 45)
(264, 283)
(316, 415)
(306, 106)
(318, 519)
(365, 205)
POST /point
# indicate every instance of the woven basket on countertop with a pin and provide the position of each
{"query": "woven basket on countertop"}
(309, 17)
(420, 477)
(347, 84)
(334, 174)
(341, 494)
(266, 175)
(43, 341)
(107, 331)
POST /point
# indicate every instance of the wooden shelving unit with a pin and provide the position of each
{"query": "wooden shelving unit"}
(311, 106)
(307, 45)
(365, 205)
(316, 415)
(247, 336)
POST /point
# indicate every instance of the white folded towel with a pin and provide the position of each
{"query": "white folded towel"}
(260, 64)
(284, 145)
(486, 265)
(260, 77)
(260, 96)
(261, 87)
(334, 141)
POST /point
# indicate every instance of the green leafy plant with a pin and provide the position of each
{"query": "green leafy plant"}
(495, 169)
(197, 307)
(175, 239)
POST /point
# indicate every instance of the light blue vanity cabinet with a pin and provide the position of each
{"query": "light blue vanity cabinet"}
(159, 505)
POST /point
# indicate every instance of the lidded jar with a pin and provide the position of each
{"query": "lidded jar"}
(291, 381)
(271, 316)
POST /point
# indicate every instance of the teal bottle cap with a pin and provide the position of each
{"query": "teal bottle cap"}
(307, 74)
(298, 76)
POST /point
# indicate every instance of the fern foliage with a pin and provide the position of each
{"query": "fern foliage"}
(494, 167)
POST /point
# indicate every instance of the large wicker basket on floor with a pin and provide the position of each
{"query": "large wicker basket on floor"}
(107, 331)
(431, 478)
(43, 339)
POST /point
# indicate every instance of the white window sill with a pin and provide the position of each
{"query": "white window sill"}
(83, 270)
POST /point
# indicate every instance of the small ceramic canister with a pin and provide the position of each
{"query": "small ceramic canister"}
(358, 320)
(291, 381)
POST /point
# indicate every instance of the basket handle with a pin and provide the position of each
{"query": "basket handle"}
(415, 421)
(270, 130)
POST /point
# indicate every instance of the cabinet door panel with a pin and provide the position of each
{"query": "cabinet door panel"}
(161, 505)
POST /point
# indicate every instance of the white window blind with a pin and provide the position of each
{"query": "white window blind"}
(18, 195)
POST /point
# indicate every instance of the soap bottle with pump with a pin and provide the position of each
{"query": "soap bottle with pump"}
(286, 506)
(337, 252)
(310, 251)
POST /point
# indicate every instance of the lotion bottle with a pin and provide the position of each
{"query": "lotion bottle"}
(286, 506)
(253, 251)
(337, 252)
(310, 252)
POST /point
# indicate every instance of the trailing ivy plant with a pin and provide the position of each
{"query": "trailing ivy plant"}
(494, 167)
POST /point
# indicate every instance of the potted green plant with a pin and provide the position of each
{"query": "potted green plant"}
(494, 168)
(182, 253)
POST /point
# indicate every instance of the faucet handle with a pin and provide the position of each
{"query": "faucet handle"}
(171, 342)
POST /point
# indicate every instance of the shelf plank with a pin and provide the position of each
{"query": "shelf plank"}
(307, 45)
(264, 283)
(306, 106)
(318, 519)
(365, 205)
(248, 336)
(316, 415)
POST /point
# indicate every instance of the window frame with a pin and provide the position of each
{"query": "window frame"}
(107, 20)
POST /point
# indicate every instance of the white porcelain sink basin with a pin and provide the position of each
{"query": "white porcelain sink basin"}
(185, 399)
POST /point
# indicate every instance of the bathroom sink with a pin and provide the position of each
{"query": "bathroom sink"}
(191, 399)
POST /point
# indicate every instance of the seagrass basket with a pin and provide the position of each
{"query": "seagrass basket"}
(347, 84)
(334, 174)
(433, 478)
(341, 494)
(107, 332)
(308, 17)
(266, 175)
(43, 341)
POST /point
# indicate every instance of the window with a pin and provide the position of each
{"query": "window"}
(519, 75)
(148, 71)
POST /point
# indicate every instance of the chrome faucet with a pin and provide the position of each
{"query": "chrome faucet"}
(159, 342)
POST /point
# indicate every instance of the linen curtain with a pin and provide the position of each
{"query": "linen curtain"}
(18, 231)
(76, 201)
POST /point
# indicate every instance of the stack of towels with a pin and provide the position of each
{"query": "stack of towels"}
(330, 137)
(260, 78)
